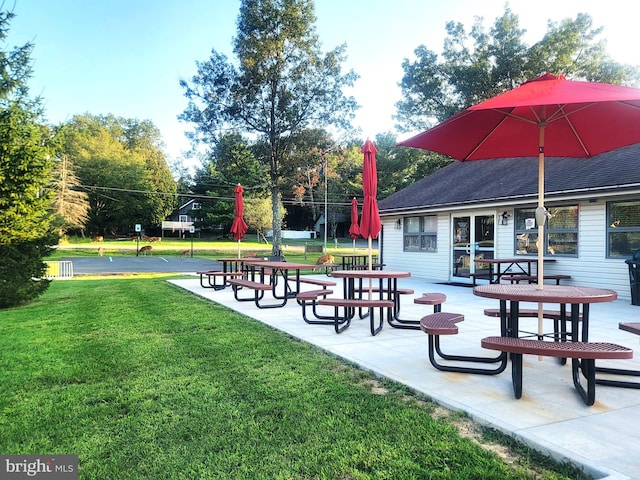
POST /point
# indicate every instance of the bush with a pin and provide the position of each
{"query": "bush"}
(22, 270)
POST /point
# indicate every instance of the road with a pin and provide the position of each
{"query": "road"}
(127, 264)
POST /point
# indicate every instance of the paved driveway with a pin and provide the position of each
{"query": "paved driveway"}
(129, 264)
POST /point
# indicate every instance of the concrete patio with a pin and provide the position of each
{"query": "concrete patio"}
(603, 439)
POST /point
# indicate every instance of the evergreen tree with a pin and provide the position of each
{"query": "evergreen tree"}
(26, 231)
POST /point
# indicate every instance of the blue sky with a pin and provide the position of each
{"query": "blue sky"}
(126, 57)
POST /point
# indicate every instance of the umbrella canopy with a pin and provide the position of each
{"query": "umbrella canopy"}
(238, 227)
(354, 230)
(548, 115)
(370, 225)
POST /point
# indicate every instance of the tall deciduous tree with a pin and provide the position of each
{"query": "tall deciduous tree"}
(476, 65)
(26, 232)
(283, 84)
(121, 165)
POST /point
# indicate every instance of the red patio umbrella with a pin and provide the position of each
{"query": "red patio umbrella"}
(239, 227)
(548, 115)
(354, 230)
(370, 225)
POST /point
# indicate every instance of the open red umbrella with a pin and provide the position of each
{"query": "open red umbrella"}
(354, 230)
(370, 225)
(548, 115)
(239, 227)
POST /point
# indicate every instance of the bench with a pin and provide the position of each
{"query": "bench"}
(374, 266)
(534, 278)
(328, 268)
(314, 281)
(444, 323)
(258, 289)
(475, 276)
(583, 355)
(312, 248)
(435, 299)
(555, 315)
(215, 274)
(310, 297)
(631, 327)
(363, 291)
(342, 322)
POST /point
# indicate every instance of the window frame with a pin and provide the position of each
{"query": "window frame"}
(611, 226)
(548, 232)
(426, 241)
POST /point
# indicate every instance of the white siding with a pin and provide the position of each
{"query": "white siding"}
(590, 268)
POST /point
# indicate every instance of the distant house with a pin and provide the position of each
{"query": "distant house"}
(181, 220)
(484, 209)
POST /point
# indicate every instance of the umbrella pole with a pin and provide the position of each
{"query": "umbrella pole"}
(354, 245)
(370, 267)
(541, 222)
(238, 248)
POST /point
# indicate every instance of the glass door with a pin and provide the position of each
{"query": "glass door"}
(472, 239)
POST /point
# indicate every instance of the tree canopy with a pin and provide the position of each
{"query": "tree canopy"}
(282, 84)
(476, 64)
(120, 164)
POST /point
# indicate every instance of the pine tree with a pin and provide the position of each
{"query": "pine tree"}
(26, 234)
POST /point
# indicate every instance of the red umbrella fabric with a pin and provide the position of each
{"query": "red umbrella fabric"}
(547, 115)
(579, 119)
(239, 227)
(370, 225)
(354, 230)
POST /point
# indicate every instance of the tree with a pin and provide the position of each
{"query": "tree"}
(121, 165)
(231, 161)
(71, 203)
(478, 65)
(283, 84)
(259, 215)
(26, 231)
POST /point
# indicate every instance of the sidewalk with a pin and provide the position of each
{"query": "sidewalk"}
(603, 439)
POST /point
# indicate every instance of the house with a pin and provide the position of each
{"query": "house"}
(485, 209)
(181, 220)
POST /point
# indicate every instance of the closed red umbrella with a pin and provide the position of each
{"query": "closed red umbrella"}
(370, 225)
(548, 115)
(354, 230)
(238, 227)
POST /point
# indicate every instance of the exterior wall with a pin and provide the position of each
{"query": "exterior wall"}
(432, 266)
(591, 268)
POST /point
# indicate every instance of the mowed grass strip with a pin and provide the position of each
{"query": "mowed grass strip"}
(144, 381)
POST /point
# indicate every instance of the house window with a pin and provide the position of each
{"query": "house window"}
(623, 229)
(183, 218)
(196, 206)
(561, 231)
(420, 234)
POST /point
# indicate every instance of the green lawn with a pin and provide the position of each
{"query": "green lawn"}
(144, 381)
(203, 248)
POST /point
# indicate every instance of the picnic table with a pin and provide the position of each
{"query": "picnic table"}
(364, 298)
(280, 277)
(582, 352)
(506, 266)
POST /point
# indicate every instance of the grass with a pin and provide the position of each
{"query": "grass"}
(144, 381)
(203, 248)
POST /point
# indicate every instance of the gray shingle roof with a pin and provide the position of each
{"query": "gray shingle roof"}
(499, 180)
